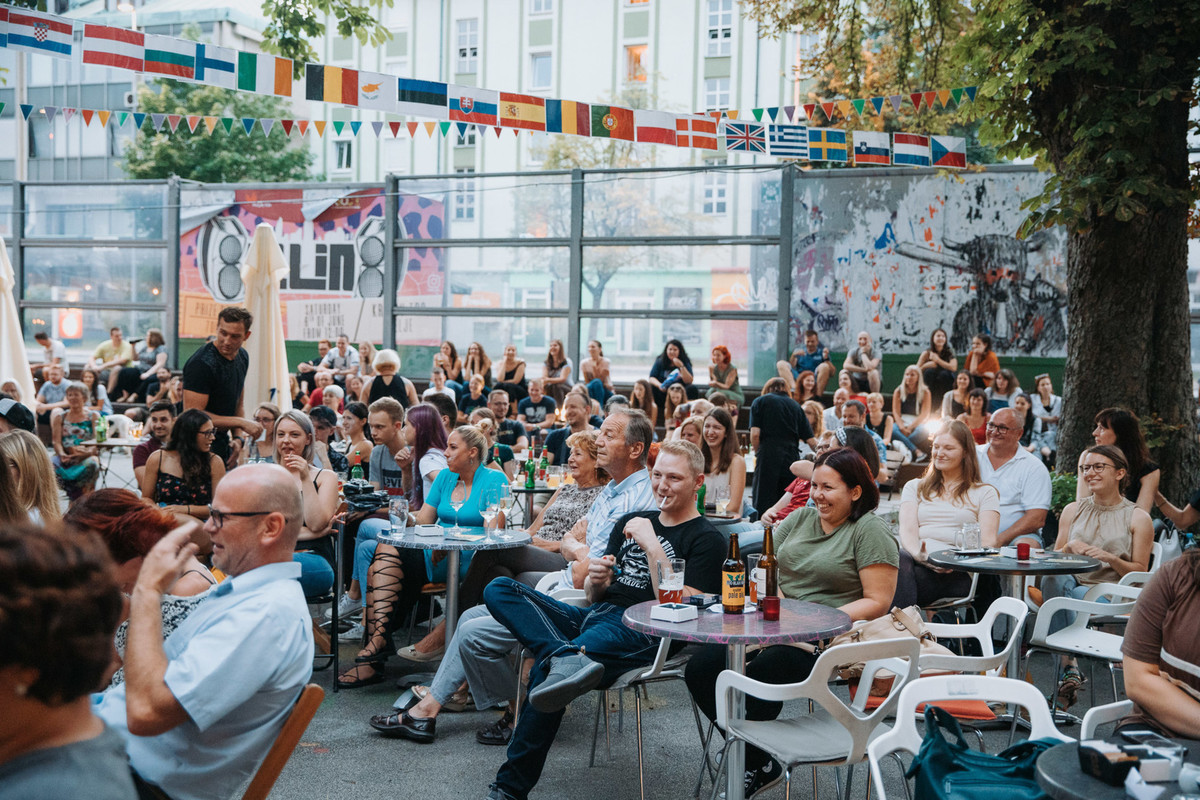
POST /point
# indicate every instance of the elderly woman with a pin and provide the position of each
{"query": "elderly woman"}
(76, 465)
(838, 554)
(387, 382)
(51, 745)
(396, 576)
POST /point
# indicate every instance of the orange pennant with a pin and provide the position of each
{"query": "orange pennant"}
(732, 113)
(430, 127)
(302, 124)
(320, 124)
(929, 98)
(828, 109)
(87, 116)
(211, 124)
(103, 117)
(412, 127)
(944, 96)
(845, 106)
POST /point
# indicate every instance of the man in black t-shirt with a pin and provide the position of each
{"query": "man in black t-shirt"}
(578, 649)
(214, 379)
(510, 432)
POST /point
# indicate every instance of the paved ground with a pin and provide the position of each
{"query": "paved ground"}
(340, 757)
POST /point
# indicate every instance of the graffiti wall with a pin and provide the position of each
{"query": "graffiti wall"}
(900, 255)
(334, 243)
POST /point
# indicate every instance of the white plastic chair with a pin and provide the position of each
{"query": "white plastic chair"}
(965, 601)
(1100, 715)
(991, 662)
(905, 737)
(835, 733)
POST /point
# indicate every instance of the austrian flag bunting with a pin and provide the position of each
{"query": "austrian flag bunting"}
(113, 47)
(40, 33)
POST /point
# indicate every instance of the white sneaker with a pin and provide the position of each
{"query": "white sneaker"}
(347, 607)
(354, 633)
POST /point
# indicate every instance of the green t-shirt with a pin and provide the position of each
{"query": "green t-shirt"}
(824, 568)
(105, 352)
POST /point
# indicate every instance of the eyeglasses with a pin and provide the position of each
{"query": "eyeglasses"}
(218, 517)
(211, 433)
(1098, 468)
(264, 420)
(1000, 428)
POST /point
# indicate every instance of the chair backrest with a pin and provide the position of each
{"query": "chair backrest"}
(1156, 555)
(1099, 715)
(905, 473)
(289, 735)
(1011, 608)
(905, 737)
(1121, 602)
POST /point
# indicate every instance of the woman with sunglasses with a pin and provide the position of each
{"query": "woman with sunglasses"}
(182, 476)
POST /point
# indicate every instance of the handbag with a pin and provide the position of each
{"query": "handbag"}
(947, 769)
(1171, 541)
(896, 624)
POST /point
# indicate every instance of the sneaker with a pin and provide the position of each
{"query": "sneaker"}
(759, 780)
(347, 607)
(355, 633)
(571, 675)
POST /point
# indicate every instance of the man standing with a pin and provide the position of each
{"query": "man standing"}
(777, 424)
(162, 417)
(343, 360)
(537, 410)
(116, 352)
(53, 352)
(53, 393)
(814, 358)
(199, 712)
(575, 412)
(214, 379)
(306, 370)
(575, 649)
(1019, 476)
(510, 432)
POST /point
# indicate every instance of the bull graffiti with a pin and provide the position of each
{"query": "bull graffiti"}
(1020, 313)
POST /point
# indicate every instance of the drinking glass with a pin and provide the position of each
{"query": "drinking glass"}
(457, 498)
(398, 514)
(505, 502)
(553, 477)
(489, 508)
(721, 499)
(969, 537)
(670, 580)
(758, 577)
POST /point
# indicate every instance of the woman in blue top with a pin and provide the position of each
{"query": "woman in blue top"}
(396, 576)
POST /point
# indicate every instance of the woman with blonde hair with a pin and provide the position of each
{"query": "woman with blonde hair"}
(484, 419)
(366, 360)
(912, 405)
(30, 471)
(477, 363)
(262, 449)
(556, 372)
(816, 417)
(388, 382)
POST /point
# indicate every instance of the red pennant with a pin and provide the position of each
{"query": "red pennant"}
(192, 122)
(302, 125)
(828, 109)
(929, 98)
(173, 120)
(87, 116)
(395, 126)
(498, 132)
(916, 100)
(287, 126)
(809, 108)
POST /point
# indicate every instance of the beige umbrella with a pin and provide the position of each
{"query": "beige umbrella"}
(264, 268)
(14, 361)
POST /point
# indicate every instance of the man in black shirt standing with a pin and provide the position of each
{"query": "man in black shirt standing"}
(578, 649)
(777, 426)
(214, 379)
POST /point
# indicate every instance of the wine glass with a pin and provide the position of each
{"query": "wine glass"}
(489, 509)
(504, 502)
(457, 498)
(721, 498)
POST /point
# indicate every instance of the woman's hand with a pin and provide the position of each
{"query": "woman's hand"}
(296, 465)
(404, 458)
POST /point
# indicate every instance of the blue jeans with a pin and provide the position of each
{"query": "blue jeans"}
(1064, 586)
(550, 628)
(598, 392)
(316, 576)
(457, 387)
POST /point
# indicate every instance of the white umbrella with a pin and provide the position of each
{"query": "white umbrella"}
(264, 268)
(14, 361)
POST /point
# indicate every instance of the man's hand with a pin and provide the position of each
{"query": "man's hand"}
(600, 571)
(167, 560)
(769, 516)
(641, 531)
(252, 428)
(235, 450)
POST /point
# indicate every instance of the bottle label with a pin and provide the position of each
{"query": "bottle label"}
(733, 588)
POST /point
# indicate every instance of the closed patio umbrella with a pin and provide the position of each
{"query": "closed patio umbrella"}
(264, 268)
(14, 361)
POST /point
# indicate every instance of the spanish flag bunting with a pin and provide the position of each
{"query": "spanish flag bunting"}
(211, 124)
(85, 113)
(944, 97)
(173, 121)
(522, 111)
(103, 117)
(320, 126)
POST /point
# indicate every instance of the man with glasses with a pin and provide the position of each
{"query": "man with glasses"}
(213, 380)
(1018, 475)
(199, 712)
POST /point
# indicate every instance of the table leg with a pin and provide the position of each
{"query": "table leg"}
(735, 755)
(1015, 584)
(452, 558)
(528, 509)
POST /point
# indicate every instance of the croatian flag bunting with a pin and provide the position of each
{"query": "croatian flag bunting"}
(35, 32)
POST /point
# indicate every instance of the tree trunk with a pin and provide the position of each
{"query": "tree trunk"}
(1129, 339)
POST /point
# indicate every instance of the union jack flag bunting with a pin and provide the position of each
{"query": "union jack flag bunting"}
(746, 137)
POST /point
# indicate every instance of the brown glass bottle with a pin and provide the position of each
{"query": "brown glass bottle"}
(769, 565)
(733, 579)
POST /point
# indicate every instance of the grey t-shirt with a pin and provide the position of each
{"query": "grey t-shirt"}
(383, 470)
(97, 769)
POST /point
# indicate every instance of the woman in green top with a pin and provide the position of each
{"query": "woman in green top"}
(723, 376)
(837, 553)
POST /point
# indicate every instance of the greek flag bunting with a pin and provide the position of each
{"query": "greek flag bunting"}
(787, 141)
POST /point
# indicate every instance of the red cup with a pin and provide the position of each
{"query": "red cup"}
(770, 607)
(1022, 551)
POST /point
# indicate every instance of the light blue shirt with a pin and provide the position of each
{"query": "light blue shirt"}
(237, 665)
(469, 515)
(614, 501)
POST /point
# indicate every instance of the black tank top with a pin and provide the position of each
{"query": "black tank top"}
(397, 389)
(881, 427)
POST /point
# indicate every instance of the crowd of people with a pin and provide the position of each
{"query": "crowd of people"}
(214, 640)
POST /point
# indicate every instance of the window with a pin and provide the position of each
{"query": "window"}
(468, 46)
(344, 154)
(464, 194)
(635, 69)
(631, 335)
(540, 68)
(716, 184)
(466, 139)
(720, 27)
(716, 93)
(541, 7)
(534, 331)
(537, 144)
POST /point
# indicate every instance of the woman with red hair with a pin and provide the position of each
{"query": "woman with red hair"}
(723, 376)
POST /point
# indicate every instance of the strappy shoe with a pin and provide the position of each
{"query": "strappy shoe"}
(499, 732)
(353, 678)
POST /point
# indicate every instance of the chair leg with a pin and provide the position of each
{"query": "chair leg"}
(1112, 677)
(787, 783)
(607, 729)
(620, 712)
(705, 764)
(720, 769)
(637, 711)
(849, 779)
(900, 763)
(596, 728)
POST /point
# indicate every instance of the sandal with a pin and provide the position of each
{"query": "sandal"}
(499, 732)
(354, 679)
(459, 701)
(381, 655)
(1069, 684)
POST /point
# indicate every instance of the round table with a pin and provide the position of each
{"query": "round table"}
(109, 448)
(474, 539)
(540, 488)
(1059, 774)
(798, 622)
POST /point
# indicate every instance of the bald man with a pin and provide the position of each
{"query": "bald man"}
(1019, 476)
(200, 711)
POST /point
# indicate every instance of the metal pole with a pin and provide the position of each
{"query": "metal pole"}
(575, 282)
(784, 289)
(21, 165)
(171, 225)
(391, 267)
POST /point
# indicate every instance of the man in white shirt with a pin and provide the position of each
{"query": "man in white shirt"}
(1019, 476)
(53, 352)
(437, 385)
(833, 415)
(342, 360)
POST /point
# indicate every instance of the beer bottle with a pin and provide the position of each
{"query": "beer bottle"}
(733, 579)
(543, 465)
(356, 470)
(703, 490)
(530, 469)
(496, 458)
(769, 565)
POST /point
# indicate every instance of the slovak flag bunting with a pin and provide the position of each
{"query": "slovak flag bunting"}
(113, 47)
(696, 131)
(910, 149)
(949, 151)
(468, 104)
(872, 147)
(41, 33)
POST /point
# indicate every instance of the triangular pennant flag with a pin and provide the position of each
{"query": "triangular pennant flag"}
(157, 120)
(412, 128)
(757, 112)
(26, 110)
(395, 128)
(121, 117)
(956, 95)
(498, 132)
(773, 113)
(302, 126)
(790, 113)
(944, 97)
(85, 113)
(227, 124)
(139, 119)
(50, 111)
(67, 114)
(338, 124)
(445, 126)
(193, 120)
(859, 106)
(845, 106)
(929, 98)
(377, 127)
(266, 124)
(970, 90)
(2, 108)
(320, 126)
(173, 120)
(515, 132)
(916, 100)
(809, 108)
(828, 109)
(211, 124)
(103, 117)
(462, 128)
(430, 127)
(248, 124)
(895, 100)
(715, 115)
(877, 104)
(287, 126)
(732, 113)
(355, 126)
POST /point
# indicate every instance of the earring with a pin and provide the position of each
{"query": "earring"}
(20, 690)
